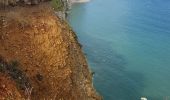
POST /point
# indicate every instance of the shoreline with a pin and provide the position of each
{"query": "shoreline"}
(79, 1)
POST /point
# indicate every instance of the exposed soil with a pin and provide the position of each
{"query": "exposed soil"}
(8, 89)
(49, 56)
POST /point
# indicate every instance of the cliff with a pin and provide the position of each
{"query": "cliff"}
(40, 57)
(18, 2)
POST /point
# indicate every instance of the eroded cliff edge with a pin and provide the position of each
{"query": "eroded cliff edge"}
(40, 57)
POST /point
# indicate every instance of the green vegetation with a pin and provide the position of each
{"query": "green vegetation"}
(13, 70)
(58, 5)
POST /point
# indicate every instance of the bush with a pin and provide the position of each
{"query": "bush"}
(58, 5)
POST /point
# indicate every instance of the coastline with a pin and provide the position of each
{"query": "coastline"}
(79, 1)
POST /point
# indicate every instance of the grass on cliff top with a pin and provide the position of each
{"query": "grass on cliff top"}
(58, 5)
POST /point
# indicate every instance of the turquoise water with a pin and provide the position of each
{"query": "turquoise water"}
(127, 44)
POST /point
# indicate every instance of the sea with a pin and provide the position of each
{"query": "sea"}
(127, 45)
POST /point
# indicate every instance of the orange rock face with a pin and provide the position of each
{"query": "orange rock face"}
(48, 53)
(8, 89)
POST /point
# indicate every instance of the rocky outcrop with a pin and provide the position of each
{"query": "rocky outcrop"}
(41, 58)
(62, 14)
(16, 2)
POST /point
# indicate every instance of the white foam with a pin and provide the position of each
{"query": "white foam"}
(79, 1)
(143, 98)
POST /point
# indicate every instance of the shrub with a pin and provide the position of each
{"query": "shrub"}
(58, 5)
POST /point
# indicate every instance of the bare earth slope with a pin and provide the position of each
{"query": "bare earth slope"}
(51, 64)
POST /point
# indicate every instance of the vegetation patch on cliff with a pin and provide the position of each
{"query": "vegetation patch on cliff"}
(12, 69)
(58, 5)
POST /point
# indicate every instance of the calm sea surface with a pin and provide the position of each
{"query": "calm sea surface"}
(127, 44)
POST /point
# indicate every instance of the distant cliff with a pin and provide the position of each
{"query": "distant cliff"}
(61, 7)
(40, 57)
(16, 2)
